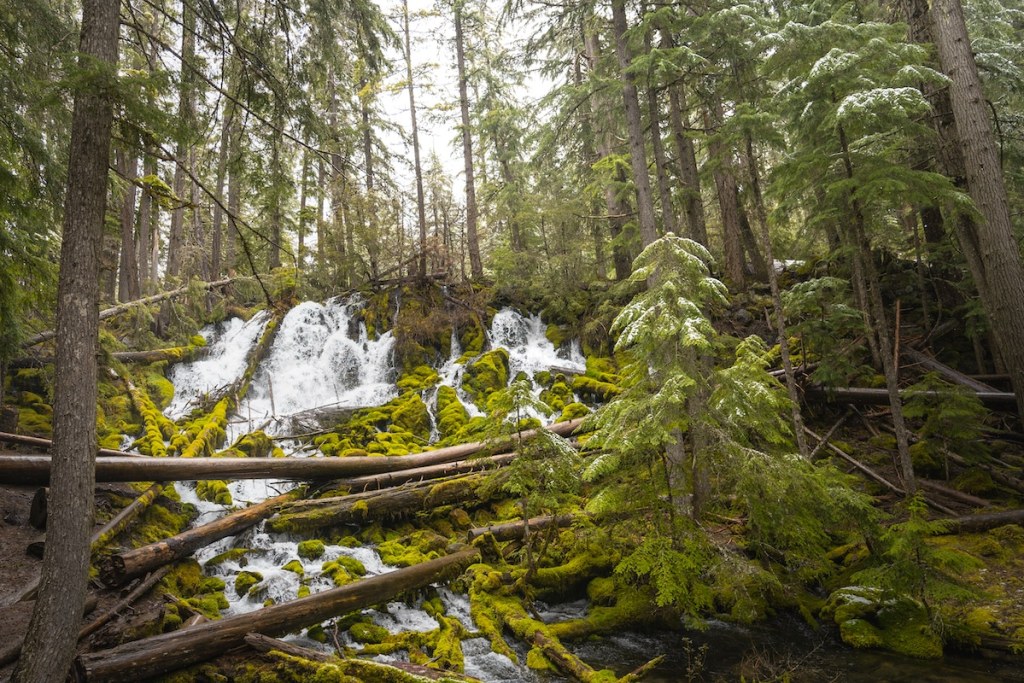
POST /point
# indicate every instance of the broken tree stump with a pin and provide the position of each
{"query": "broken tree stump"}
(169, 651)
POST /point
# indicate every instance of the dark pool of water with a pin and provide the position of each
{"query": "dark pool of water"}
(765, 652)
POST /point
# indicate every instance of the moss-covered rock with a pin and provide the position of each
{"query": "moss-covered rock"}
(868, 618)
(485, 375)
(311, 549)
(214, 491)
(411, 414)
(245, 580)
(419, 378)
(451, 414)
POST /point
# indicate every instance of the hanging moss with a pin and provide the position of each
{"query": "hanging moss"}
(203, 434)
(485, 375)
(157, 428)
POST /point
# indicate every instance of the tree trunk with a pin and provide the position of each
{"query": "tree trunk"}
(153, 656)
(337, 185)
(176, 238)
(50, 641)
(128, 267)
(321, 176)
(1000, 400)
(1003, 294)
(725, 184)
(147, 221)
(634, 127)
(303, 197)
(222, 170)
(119, 569)
(421, 211)
(986, 521)
(689, 177)
(472, 238)
(618, 210)
(509, 531)
(668, 215)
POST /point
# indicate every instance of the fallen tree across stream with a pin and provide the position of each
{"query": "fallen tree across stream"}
(35, 469)
(118, 569)
(129, 305)
(169, 651)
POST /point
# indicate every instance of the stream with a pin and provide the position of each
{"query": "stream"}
(323, 359)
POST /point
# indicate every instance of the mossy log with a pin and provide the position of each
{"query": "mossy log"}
(169, 651)
(986, 521)
(46, 444)
(125, 307)
(1003, 400)
(262, 643)
(176, 354)
(122, 519)
(35, 469)
(400, 501)
(375, 482)
(509, 531)
(118, 569)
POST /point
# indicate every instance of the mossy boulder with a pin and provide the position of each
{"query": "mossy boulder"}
(368, 632)
(557, 335)
(486, 375)
(411, 414)
(214, 491)
(867, 617)
(559, 395)
(295, 567)
(245, 580)
(312, 549)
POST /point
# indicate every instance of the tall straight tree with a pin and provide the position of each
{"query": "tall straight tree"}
(128, 266)
(50, 642)
(476, 267)
(1002, 282)
(634, 126)
(421, 211)
(186, 115)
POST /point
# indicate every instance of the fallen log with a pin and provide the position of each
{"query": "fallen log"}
(35, 469)
(509, 531)
(129, 305)
(374, 482)
(118, 569)
(175, 354)
(985, 521)
(947, 372)
(46, 444)
(1002, 400)
(353, 667)
(135, 594)
(400, 501)
(126, 516)
(953, 493)
(153, 656)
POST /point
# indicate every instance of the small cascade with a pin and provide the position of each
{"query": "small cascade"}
(322, 360)
(528, 347)
(450, 374)
(228, 343)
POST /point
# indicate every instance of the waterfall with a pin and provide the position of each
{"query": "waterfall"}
(529, 349)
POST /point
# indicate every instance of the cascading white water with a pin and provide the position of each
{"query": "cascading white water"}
(322, 358)
(529, 349)
(223, 363)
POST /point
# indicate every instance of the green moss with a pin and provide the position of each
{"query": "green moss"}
(245, 580)
(351, 565)
(203, 434)
(295, 566)
(311, 549)
(233, 555)
(214, 491)
(595, 389)
(163, 519)
(337, 573)
(420, 378)
(558, 396)
(899, 624)
(860, 633)
(451, 414)
(160, 388)
(365, 632)
(411, 414)
(471, 338)
(572, 411)
(254, 445)
(485, 375)
(556, 334)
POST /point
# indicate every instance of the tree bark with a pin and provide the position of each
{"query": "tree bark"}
(634, 127)
(725, 184)
(128, 267)
(222, 170)
(153, 656)
(50, 641)
(176, 237)
(421, 211)
(147, 222)
(476, 268)
(994, 399)
(618, 210)
(1003, 294)
(668, 215)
